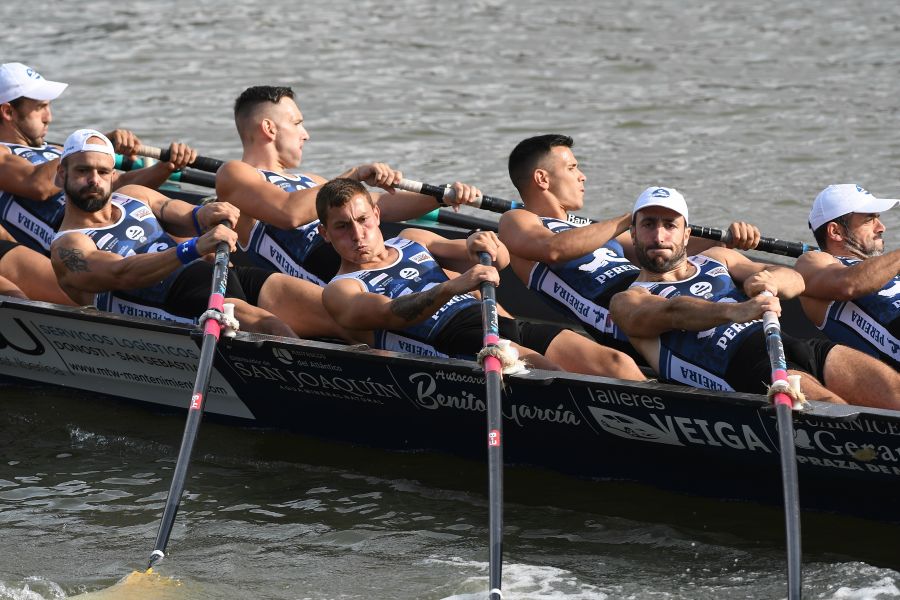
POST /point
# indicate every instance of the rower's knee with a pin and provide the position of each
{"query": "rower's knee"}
(258, 320)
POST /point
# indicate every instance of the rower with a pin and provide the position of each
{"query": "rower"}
(853, 287)
(406, 293)
(117, 251)
(31, 205)
(576, 266)
(278, 225)
(697, 319)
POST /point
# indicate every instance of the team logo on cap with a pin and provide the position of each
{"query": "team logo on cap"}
(660, 193)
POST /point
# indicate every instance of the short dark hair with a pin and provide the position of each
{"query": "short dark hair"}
(337, 193)
(529, 153)
(821, 234)
(258, 94)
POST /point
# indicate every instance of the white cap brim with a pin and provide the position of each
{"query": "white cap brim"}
(46, 90)
(872, 206)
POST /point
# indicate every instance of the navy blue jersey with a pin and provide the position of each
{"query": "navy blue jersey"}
(287, 250)
(701, 358)
(583, 286)
(415, 270)
(868, 323)
(33, 223)
(137, 231)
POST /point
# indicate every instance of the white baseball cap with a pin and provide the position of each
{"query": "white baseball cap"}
(662, 196)
(19, 81)
(845, 198)
(78, 142)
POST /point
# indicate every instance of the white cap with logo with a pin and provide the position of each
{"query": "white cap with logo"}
(662, 196)
(78, 142)
(20, 81)
(845, 198)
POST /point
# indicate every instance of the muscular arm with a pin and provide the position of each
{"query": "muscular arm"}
(354, 308)
(83, 269)
(756, 277)
(459, 255)
(527, 238)
(644, 315)
(177, 215)
(20, 177)
(401, 206)
(241, 185)
(828, 279)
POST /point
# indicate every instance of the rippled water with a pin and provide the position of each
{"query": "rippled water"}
(270, 515)
(750, 108)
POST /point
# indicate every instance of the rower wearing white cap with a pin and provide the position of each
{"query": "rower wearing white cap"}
(576, 266)
(853, 287)
(697, 320)
(30, 203)
(117, 251)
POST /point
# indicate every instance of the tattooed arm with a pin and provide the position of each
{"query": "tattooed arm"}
(83, 270)
(354, 308)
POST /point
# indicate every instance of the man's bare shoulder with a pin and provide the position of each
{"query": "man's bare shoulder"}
(816, 259)
(138, 192)
(422, 236)
(519, 216)
(338, 290)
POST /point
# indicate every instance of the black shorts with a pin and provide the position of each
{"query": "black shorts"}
(464, 334)
(189, 294)
(323, 262)
(6, 246)
(750, 369)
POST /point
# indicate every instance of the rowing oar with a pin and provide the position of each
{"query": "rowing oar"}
(186, 175)
(784, 408)
(442, 193)
(211, 331)
(766, 244)
(493, 383)
(203, 163)
(195, 176)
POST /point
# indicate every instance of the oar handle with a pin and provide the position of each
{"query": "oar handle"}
(775, 348)
(766, 244)
(444, 193)
(203, 163)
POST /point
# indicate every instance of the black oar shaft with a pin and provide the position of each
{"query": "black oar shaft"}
(766, 244)
(494, 389)
(789, 479)
(196, 177)
(195, 409)
(445, 192)
(203, 163)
